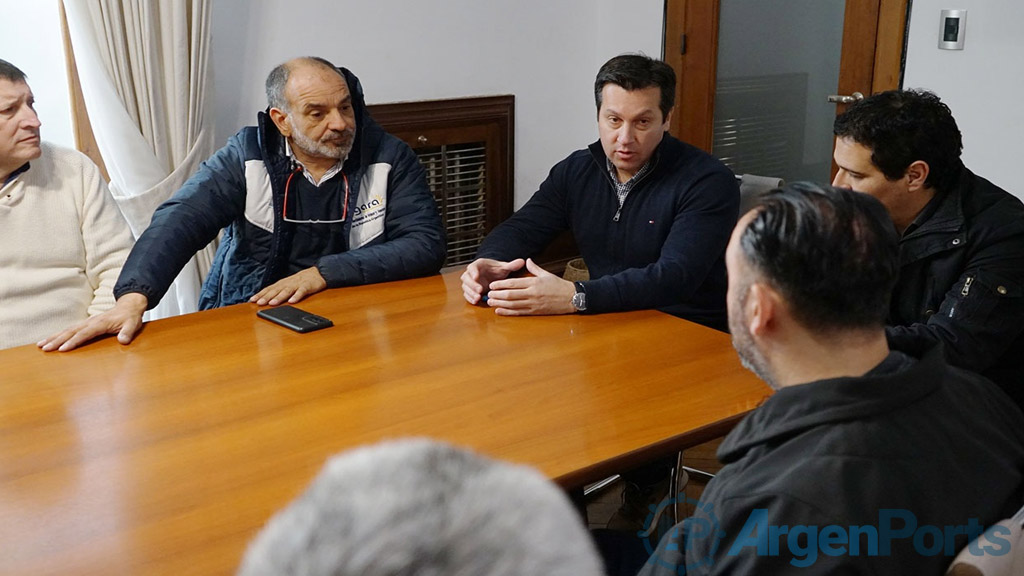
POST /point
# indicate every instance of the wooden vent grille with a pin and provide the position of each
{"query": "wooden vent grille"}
(457, 174)
(465, 145)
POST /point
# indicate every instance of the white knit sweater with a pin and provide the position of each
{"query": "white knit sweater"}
(62, 243)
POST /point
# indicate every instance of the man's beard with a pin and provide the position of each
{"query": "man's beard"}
(334, 144)
(750, 356)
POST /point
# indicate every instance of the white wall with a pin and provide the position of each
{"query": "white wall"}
(30, 39)
(982, 84)
(545, 52)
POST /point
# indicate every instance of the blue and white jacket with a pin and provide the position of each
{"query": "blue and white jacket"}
(394, 231)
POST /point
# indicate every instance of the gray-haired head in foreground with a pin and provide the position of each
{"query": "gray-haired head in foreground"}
(423, 508)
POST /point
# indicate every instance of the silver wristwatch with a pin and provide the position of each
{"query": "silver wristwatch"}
(579, 299)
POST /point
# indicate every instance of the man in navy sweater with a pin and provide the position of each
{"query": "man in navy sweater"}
(651, 215)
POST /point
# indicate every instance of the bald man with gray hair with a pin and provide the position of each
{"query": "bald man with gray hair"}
(315, 196)
(423, 508)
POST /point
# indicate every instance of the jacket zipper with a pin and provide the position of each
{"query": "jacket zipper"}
(967, 286)
(618, 212)
(615, 189)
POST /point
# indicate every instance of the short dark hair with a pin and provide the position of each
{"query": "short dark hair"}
(10, 72)
(636, 72)
(903, 126)
(278, 79)
(831, 252)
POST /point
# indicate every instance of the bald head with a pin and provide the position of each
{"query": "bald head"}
(277, 80)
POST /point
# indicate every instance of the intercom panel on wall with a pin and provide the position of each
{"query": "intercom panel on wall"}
(951, 29)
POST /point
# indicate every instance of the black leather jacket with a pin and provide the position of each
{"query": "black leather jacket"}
(962, 282)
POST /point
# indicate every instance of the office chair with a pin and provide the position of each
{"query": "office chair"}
(752, 187)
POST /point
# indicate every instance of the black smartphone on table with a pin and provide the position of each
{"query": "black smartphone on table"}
(295, 319)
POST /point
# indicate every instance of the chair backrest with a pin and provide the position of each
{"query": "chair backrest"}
(752, 187)
(997, 552)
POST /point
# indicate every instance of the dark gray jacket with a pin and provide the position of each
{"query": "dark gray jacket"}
(912, 439)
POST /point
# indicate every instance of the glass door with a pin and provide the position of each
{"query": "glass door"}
(777, 63)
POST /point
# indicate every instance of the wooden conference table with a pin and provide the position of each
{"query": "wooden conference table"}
(166, 456)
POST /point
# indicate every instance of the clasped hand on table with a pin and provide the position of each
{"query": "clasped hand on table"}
(487, 280)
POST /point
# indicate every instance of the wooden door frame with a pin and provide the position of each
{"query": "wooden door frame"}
(884, 21)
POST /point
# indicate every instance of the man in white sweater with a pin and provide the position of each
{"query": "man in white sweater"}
(62, 238)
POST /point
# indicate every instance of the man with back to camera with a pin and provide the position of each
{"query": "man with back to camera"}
(62, 238)
(316, 196)
(856, 435)
(961, 237)
(651, 215)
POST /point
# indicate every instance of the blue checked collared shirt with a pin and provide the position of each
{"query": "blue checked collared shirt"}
(623, 188)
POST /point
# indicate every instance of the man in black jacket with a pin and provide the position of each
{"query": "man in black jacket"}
(961, 237)
(651, 215)
(865, 460)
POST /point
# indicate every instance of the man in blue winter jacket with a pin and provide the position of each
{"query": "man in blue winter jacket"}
(316, 196)
(651, 215)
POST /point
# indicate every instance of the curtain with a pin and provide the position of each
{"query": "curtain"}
(144, 66)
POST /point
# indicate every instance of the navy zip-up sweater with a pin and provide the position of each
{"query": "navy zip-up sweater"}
(665, 251)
